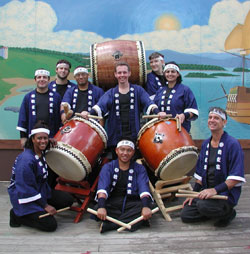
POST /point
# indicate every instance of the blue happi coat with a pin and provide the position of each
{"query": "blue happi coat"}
(28, 189)
(153, 83)
(138, 182)
(27, 114)
(109, 104)
(181, 100)
(229, 165)
(94, 94)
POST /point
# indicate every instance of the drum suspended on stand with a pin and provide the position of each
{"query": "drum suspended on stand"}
(170, 153)
(80, 142)
(104, 56)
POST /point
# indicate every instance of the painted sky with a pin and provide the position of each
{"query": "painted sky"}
(192, 26)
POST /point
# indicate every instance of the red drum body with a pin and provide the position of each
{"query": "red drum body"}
(79, 144)
(170, 153)
(104, 56)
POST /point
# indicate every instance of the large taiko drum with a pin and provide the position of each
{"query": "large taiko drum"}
(79, 144)
(104, 56)
(170, 153)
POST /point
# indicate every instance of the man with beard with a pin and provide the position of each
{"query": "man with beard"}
(61, 83)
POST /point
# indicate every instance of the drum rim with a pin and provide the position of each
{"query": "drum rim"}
(177, 151)
(96, 126)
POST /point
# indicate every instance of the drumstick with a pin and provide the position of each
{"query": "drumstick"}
(178, 124)
(58, 211)
(120, 223)
(155, 210)
(90, 116)
(195, 192)
(155, 116)
(189, 195)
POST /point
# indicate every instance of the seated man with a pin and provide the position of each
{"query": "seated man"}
(123, 190)
(220, 170)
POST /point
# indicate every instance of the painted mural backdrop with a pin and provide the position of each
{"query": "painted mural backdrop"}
(194, 33)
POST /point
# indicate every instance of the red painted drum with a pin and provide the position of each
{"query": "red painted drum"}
(170, 153)
(104, 56)
(79, 144)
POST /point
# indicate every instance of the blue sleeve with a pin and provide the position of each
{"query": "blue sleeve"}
(25, 179)
(236, 161)
(142, 180)
(23, 115)
(150, 86)
(105, 102)
(68, 96)
(190, 104)
(145, 101)
(104, 182)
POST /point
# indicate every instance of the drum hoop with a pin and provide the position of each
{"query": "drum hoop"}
(96, 126)
(142, 63)
(93, 64)
(173, 154)
(75, 153)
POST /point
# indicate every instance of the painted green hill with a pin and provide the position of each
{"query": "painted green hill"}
(22, 62)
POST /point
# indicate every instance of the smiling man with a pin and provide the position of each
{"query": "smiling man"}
(123, 104)
(61, 83)
(82, 97)
(39, 104)
(123, 189)
(219, 170)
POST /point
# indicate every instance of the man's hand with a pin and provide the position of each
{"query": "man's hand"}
(50, 209)
(207, 193)
(146, 213)
(187, 201)
(102, 213)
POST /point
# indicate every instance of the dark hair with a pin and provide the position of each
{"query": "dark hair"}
(155, 55)
(64, 61)
(29, 142)
(122, 64)
(218, 109)
(179, 78)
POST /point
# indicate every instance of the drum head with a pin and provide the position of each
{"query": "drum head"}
(177, 166)
(67, 164)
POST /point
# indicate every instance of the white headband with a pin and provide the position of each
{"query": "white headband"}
(42, 72)
(62, 65)
(80, 69)
(39, 130)
(171, 66)
(126, 143)
(219, 113)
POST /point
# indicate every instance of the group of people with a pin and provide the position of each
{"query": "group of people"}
(123, 187)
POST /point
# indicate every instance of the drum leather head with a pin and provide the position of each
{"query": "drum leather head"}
(66, 164)
(178, 166)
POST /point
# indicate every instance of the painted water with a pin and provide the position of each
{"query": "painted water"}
(203, 89)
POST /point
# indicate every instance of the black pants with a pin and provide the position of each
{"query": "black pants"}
(201, 210)
(59, 199)
(125, 213)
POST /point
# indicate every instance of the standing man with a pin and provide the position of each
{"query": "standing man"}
(84, 96)
(123, 189)
(39, 104)
(155, 79)
(219, 170)
(123, 104)
(61, 83)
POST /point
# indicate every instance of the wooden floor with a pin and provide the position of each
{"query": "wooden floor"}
(162, 237)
